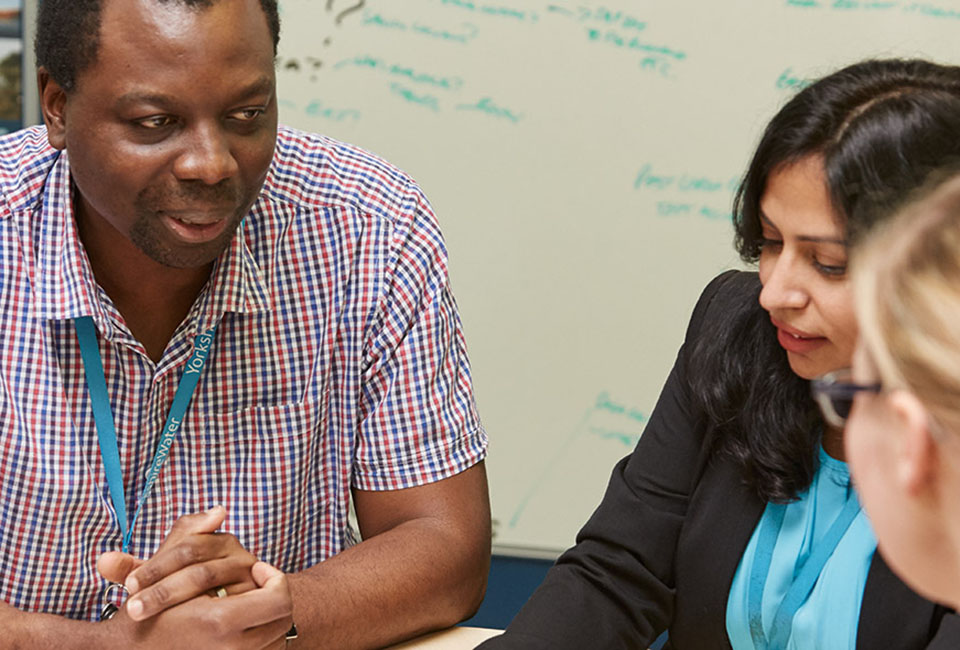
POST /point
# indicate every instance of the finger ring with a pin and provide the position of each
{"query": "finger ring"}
(110, 609)
(221, 592)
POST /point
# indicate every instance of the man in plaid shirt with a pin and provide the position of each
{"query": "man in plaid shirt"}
(215, 332)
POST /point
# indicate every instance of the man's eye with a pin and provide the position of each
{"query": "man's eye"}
(155, 121)
(247, 114)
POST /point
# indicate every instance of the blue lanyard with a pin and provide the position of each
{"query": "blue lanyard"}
(103, 417)
(803, 581)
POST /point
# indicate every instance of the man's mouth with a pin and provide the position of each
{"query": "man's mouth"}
(197, 227)
(193, 220)
(200, 216)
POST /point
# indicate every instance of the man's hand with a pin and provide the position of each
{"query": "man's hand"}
(255, 619)
(192, 561)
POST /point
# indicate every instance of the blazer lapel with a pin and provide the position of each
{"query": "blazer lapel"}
(723, 514)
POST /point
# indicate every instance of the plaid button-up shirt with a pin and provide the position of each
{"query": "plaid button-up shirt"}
(338, 362)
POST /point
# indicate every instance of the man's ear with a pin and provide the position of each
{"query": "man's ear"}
(53, 104)
(917, 453)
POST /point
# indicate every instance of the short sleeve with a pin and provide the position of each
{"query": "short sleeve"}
(419, 421)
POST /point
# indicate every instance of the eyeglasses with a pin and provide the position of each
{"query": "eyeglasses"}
(834, 393)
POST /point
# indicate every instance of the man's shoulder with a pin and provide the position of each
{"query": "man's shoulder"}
(318, 171)
(25, 160)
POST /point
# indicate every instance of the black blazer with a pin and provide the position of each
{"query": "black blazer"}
(661, 550)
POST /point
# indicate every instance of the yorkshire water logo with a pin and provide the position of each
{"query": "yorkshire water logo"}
(201, 347)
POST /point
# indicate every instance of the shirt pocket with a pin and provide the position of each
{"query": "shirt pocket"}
(264, 464)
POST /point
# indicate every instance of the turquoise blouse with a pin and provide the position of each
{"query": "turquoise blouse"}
(828, 619)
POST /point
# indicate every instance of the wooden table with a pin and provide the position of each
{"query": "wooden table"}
(456, 638)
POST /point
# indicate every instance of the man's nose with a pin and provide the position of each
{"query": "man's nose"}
(206, 156)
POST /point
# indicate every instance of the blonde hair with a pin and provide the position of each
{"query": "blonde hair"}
(906, 279)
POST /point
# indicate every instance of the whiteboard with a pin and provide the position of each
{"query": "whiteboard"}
(581, 157)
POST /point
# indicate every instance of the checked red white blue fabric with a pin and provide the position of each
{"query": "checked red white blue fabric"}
(338, 362)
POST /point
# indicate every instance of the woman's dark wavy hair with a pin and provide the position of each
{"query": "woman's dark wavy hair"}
(68, 34)
(881, 126)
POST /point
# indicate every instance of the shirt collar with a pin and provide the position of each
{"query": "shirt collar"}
(65, 287)
(236, 283)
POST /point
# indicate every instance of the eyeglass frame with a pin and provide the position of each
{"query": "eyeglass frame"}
(831, 386)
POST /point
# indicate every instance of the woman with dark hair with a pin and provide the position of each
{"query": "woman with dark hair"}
(734, 524)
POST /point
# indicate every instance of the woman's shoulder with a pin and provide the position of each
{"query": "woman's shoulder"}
(724, 300)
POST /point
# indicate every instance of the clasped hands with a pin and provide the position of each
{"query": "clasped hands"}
(173, 600)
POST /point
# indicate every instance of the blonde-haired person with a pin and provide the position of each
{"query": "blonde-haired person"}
(903, 433)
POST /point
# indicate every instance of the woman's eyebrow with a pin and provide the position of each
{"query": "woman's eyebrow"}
(805, 238)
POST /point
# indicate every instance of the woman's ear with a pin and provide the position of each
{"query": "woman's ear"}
(53, 102)
(916, 452)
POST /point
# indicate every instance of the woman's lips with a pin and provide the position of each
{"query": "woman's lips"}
(794, 340)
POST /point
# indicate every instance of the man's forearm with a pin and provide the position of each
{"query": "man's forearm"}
(23, 630)
(409, 580)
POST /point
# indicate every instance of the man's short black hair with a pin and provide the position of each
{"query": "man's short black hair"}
(68, 34)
